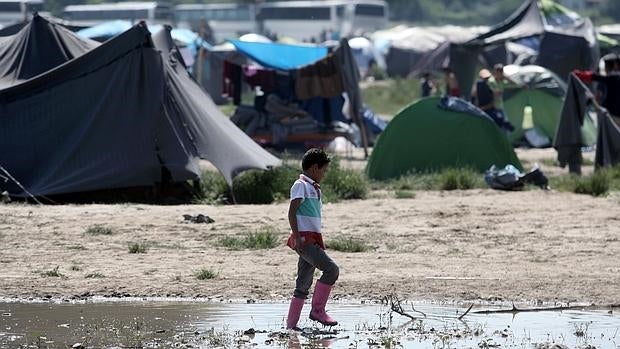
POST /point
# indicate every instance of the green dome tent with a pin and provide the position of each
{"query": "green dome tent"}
(427, 136)
(545, 95)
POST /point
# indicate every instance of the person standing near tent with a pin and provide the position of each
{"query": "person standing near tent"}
(487, 99)
(427, 85)
(304, 217)
(498, 83)
(452, 83)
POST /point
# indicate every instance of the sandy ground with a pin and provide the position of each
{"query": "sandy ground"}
(463, 245)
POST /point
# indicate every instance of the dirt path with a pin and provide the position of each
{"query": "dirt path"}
(470, 245)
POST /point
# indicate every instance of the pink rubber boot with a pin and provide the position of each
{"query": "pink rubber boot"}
(319, 300)
(294, 311)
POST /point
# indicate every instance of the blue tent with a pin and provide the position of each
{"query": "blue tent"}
(280, 56)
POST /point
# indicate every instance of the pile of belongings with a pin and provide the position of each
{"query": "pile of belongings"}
(510, 178)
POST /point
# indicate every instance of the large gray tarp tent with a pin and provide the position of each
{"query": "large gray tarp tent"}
(563, 42)
(118, 115)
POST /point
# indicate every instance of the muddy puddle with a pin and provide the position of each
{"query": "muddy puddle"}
(187, 324)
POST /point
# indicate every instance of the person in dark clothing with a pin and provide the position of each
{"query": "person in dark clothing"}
(484, 98)
(428, 87)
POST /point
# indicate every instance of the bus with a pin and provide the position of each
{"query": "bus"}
(151, 12)
(322, 20)
(225, 20)
(15, 11)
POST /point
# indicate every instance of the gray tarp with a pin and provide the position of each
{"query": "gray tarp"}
(608, 141)
(350, 80)
(114, 117)
(568, 140)
(214, 136)
(526, 21)
(42, 46)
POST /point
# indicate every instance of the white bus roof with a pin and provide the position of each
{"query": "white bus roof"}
(304, 3)
(114, 6)
(210, 6)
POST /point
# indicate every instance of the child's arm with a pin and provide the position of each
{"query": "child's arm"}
(292, 220)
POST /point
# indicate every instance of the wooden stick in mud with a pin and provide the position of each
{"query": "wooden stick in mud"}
(517, 310)
(396, 306)
(466, 311)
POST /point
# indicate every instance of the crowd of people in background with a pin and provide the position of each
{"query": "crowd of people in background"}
(487, 93)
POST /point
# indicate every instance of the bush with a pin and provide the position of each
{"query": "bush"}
(265, 238)
(264, 187)
(253, 187)
(214, 188)
(94, 276)
(404, 194)
(98, 229)
(459, 178)
(597, 184)
(343, 184)
(205, 274)
(347, 244)
(53, 273)
(137, 248)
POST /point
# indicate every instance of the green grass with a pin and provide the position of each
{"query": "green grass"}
(546, 162)
(447, 179)
(264, 187)
(459, 178)
(98, 229)
(205, 274)
(94, 276)
(597, 184)
(137, 247)
(264, 238)
(390, 96)
(343, 184)
(53, 273)
(76, 247)
(404, 194)
(214, 189)
(347, 244)
(219, 339)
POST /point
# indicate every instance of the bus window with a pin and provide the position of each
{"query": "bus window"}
(340, 11)
(369, 10)
(33, 7)
(296, 13)
(14, 7)
(163, 13)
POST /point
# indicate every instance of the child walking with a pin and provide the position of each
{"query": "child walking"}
(304, 216)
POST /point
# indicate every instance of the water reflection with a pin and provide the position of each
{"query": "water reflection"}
(204, 325)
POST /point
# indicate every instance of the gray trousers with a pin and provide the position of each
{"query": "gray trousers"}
(312, 257)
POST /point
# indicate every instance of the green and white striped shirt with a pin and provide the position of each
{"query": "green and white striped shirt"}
(309, 212)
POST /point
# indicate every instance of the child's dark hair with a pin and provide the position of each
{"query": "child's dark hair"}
(314, 156)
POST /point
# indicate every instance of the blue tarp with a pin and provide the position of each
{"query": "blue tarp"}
(280, 56)
(105, 29)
